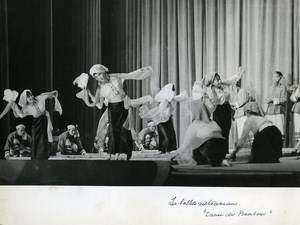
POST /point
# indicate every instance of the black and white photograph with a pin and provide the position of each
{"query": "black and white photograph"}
(120, 110)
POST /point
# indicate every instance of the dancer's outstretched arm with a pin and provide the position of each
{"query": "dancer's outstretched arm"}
(234, 78)
(6, 109)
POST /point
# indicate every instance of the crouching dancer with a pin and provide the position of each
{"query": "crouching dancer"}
(267, 144)
(69, 142)
(18, 143)
(203, 142)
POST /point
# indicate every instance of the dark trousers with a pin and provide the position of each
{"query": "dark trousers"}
(212, 152)
(222, 116)
(120, 140)
(40, 145)
(267, 146)
(167, 136)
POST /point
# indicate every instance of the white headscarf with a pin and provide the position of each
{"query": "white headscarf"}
(71, 126)
(98, 68)
(208, 78)
(23, 98)
(253, 107)
(20, 126)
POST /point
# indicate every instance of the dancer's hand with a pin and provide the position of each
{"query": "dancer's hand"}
(225, 162)
(241, 70)
(173, 154)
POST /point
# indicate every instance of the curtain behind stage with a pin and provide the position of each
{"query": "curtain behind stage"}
(77, 46)
(183, 40)
(4, 123)
(46, 44)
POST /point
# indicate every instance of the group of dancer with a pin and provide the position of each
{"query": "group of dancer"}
(267, 128)
(210, 107)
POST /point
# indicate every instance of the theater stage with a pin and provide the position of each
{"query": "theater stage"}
(148, 169)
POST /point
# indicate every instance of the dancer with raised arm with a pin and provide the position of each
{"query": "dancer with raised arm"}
(119, 106)
(203, 141)
(41, 126)
(219, 94)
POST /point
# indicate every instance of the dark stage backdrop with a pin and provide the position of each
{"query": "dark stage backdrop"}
(45, 45)
(29, 47)
(76, 47)
(4, 81)
(25, 52)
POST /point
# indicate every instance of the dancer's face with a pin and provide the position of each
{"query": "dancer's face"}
(101, 77)
(72, 131)
(151, 126)
(21, 131)
(30, 98)
(147, 139)
(217, 81)
(275, 78)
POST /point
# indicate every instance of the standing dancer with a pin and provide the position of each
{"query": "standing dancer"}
(219, 95)
(276, 101)
(41, 126)
(239, 99)
(119, 113)
(295, 98)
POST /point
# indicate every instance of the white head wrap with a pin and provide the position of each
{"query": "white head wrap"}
(254, 107)
(208, 78)
(23, 98)
(97, 68)
(20, 126)
(71, 126)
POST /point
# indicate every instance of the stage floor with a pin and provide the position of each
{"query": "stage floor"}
(149, 168)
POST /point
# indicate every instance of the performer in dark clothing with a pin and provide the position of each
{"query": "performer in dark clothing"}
(18, 143)
(267, 144)
(119, 107)
(219, 94)
(41, 126)
(69, 142)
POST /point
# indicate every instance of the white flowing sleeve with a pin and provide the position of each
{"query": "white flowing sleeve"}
(234, 78)
(81, 81)
(139, 74)
(183, 96)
